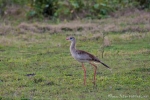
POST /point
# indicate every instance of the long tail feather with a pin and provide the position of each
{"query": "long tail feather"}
(105, 65)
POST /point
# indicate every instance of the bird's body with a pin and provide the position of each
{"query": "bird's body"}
(83, 57)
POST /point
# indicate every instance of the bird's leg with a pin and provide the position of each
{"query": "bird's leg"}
(84, 73)
(95, 68)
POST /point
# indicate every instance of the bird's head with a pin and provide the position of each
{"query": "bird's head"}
(71, 38)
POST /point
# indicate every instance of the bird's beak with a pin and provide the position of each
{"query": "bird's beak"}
(67, 38)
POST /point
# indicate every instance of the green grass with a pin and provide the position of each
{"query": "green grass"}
(39, 66)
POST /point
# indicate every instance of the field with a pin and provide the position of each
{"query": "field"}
(35, 61)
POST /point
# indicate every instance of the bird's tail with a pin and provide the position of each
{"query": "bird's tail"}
(105, 65)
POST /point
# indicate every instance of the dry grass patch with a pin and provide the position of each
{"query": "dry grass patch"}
(15, 11)
(142, 51)
(126, 12)
(142, 18)
(130, 20)
(129, 36)
(43, 27)
(97, 36)
(136, 21)
(25, 27)
(5, 41)
(106, 42)
(6, 29)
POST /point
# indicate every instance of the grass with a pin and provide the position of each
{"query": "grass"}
(35, 65)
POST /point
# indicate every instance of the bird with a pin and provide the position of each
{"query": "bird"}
(84, 57)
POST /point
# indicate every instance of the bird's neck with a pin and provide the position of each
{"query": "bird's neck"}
(73, 46)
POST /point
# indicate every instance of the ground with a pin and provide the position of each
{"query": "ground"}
(35, 62)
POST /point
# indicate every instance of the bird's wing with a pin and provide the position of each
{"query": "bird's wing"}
(83, 55)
